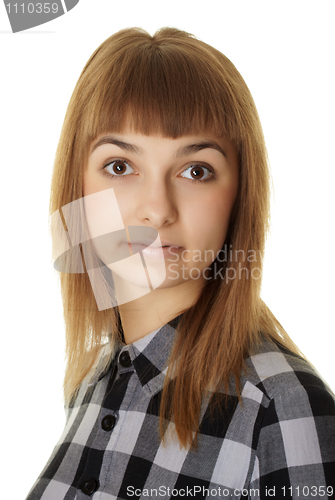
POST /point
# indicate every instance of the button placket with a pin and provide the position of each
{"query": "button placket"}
(89, 485)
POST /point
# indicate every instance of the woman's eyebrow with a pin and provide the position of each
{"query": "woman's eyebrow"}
(108, 139)
(183, 151)
(198, 146)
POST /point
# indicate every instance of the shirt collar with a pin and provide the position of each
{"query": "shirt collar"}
(150, 355)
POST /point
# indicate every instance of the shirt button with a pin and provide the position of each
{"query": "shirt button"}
(124, 359)
(88, 486)
(108, 422)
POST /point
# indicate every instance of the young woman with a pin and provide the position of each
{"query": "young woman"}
(180, 381)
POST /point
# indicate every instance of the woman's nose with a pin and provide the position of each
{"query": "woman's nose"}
(157, 204)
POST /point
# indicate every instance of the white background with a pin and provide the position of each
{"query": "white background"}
(285, 52)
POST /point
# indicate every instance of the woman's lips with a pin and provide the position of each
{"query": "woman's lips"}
(155, 251)
(166, 251)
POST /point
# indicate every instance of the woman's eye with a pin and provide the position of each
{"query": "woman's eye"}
(118, 168)
(197, 173)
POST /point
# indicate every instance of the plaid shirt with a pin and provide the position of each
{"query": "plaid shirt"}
(280, 443)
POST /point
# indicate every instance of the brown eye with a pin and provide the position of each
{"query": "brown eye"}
(197, 173)
(118, 168)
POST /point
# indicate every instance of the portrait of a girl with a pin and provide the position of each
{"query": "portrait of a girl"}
(180, 382)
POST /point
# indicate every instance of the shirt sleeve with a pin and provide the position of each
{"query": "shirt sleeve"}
(295, 455)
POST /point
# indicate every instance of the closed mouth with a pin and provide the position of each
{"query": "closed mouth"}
(150, 244)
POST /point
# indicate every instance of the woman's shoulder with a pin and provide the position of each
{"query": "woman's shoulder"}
(278, 372)
(295, 442)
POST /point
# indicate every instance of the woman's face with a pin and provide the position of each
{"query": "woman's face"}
(183, 188)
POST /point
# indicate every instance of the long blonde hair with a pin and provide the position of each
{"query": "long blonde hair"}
(173, 83)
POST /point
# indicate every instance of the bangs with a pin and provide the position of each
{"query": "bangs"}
(159, 86)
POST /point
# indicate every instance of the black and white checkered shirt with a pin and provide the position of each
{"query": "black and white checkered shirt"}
(279, 444)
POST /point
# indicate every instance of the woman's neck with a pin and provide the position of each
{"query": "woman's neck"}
(153, 310)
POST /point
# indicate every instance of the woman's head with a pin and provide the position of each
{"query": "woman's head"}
(173, 85)
(169, 85)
